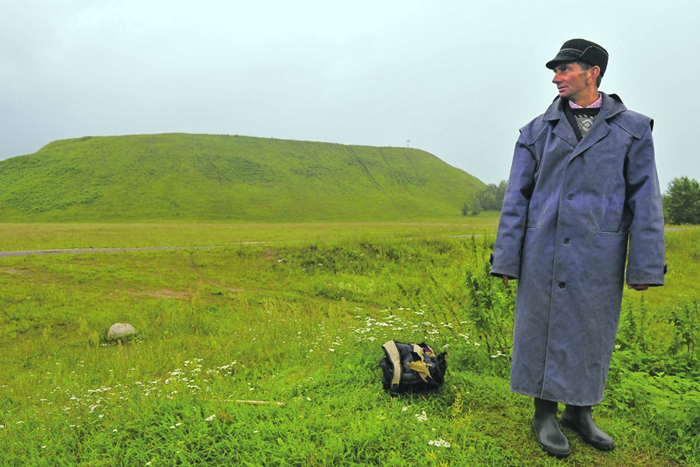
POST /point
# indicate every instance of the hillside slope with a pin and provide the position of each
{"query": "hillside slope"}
(209, 177)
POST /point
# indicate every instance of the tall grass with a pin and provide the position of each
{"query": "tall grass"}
(298, 327)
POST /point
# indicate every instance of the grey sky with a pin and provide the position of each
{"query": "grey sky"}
(456, 78)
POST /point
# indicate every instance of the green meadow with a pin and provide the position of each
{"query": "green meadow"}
(264, 350)
(42, 236)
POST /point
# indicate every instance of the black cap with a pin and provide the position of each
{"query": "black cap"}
(581, 50)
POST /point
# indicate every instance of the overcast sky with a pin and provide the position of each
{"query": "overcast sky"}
(457, 78)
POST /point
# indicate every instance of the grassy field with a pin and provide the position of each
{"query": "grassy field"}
(186, 177)
(298, 323)
(40, 236)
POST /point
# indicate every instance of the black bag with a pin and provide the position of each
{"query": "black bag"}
(411, 367)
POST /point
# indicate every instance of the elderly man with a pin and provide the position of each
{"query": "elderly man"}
(582, 186)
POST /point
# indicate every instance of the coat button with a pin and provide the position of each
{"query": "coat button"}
(570, 197)
(562, 285)
(566, 241)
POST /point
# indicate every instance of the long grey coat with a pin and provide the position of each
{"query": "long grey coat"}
(568, 214)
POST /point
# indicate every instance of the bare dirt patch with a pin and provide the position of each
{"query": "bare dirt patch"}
(164, 293)
(9, 270)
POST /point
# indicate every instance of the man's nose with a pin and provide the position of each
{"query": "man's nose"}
(556, 78)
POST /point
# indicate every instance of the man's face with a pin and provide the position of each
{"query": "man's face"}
(571, 80)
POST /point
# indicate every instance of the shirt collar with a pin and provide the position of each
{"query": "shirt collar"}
(596, 105)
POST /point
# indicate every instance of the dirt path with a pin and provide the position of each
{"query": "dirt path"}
(6, 254)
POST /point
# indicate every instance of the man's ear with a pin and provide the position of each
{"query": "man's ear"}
(595, 72)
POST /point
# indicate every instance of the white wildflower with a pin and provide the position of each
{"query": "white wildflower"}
(422, 417)
(210, 418)
(439, 443)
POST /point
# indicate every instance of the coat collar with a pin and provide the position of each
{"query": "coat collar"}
(612, 105)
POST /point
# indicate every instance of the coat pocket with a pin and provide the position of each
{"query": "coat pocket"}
(609, 250)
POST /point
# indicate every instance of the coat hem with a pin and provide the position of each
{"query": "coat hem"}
(561, 400)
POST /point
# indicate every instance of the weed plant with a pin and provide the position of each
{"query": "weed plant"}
(267, 355)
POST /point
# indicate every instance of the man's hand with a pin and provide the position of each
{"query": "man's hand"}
(638, 287)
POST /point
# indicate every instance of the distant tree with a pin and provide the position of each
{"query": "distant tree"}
(489, 198)
(473, 207)
(682, 201)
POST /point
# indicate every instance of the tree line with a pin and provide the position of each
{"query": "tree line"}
(681, 201)
(489, 198)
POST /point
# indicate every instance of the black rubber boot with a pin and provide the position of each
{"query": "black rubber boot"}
(549, 435)
(579, 419)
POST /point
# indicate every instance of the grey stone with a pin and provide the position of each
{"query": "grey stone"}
(120, 330)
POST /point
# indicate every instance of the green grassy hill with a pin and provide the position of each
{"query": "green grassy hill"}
(210, 177)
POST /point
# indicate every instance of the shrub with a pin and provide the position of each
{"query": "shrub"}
(682, 201)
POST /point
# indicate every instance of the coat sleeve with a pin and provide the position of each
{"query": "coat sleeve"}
(513, 221)
(645, 264)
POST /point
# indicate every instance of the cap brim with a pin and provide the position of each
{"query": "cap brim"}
(561, 58)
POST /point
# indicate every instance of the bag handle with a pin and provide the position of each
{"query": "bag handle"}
(393, 352)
